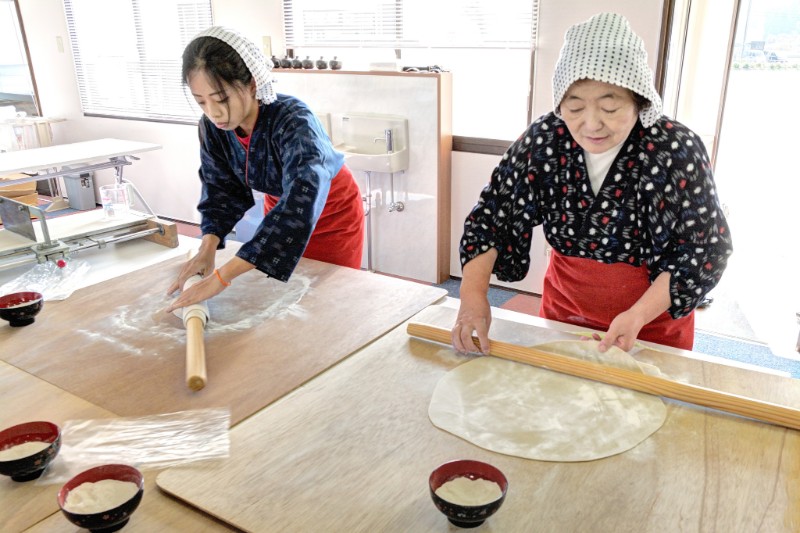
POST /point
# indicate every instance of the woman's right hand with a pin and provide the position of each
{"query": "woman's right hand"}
(474, 316)
(474, 313)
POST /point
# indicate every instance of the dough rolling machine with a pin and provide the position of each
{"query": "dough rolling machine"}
(23, 240)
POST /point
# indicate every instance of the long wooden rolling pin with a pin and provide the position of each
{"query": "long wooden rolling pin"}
(195, 318)
(731, 403)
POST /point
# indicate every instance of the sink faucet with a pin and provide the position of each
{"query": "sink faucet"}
(388, 138)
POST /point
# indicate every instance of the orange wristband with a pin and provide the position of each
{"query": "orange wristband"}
(219, 277)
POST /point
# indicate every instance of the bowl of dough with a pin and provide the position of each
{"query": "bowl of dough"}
(26, 449)
(20, 308)
(467, 492)
(102, 498)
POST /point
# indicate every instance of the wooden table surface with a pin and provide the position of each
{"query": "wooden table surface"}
(157, 513)
(25, 398)
(113, 345)
(352, 450)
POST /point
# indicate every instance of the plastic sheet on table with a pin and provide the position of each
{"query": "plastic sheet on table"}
(50, 280)
(149, 442)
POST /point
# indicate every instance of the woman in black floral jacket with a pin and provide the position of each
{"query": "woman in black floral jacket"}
(626, 198)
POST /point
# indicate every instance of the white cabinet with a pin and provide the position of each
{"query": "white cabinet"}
(415, 242)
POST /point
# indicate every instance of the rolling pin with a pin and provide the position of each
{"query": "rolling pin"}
(629, 379)
(195, 317)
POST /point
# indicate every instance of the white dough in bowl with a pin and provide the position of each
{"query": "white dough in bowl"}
(526, 411)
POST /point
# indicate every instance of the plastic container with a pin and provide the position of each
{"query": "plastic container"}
(116, 200)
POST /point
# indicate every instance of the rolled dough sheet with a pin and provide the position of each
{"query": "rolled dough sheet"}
(526, 411)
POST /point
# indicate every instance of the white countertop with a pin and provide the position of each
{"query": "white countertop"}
(117, 260)
(48, 157)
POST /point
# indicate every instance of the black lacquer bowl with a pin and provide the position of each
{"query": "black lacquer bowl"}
(111, 519)
(31, 466)
(462, 515)
(20, 308)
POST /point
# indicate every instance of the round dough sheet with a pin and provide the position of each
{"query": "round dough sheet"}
(525, 411)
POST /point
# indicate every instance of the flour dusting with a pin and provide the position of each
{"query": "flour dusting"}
(238, 308)
(271, 300)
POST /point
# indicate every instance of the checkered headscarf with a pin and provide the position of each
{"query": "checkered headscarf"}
(604, 48)
(260, 66)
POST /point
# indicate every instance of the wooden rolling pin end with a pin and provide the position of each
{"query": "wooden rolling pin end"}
(196, 383)
(195, 353)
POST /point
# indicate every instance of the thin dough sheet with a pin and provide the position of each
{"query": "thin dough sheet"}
(525, 411)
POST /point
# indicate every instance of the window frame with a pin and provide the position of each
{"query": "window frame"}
(23, 37)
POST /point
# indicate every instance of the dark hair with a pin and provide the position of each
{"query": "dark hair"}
(640, 101)
(219, 60)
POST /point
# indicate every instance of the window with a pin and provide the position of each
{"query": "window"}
(16, 79)
(486, 45)
(128, 55)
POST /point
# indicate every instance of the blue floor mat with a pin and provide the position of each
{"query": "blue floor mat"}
(497, 297)
(744, 352)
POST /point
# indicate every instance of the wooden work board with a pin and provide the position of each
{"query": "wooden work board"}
(113, 345)
(352, 450)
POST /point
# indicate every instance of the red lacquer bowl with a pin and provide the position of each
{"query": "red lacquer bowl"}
(462, 515)
(31, 466)
(111, 519)
(20, 308)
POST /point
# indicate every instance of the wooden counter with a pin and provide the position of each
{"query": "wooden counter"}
(157, 513)
(24, 398)
(94, 346)
(113, 345)
(352, 450)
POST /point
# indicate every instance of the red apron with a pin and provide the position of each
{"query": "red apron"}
(338, 237)
(589, 293)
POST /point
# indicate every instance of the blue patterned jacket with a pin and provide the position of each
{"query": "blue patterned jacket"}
(291, 157)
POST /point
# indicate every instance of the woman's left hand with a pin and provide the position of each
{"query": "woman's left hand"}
(201, 291)
(622, 331)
